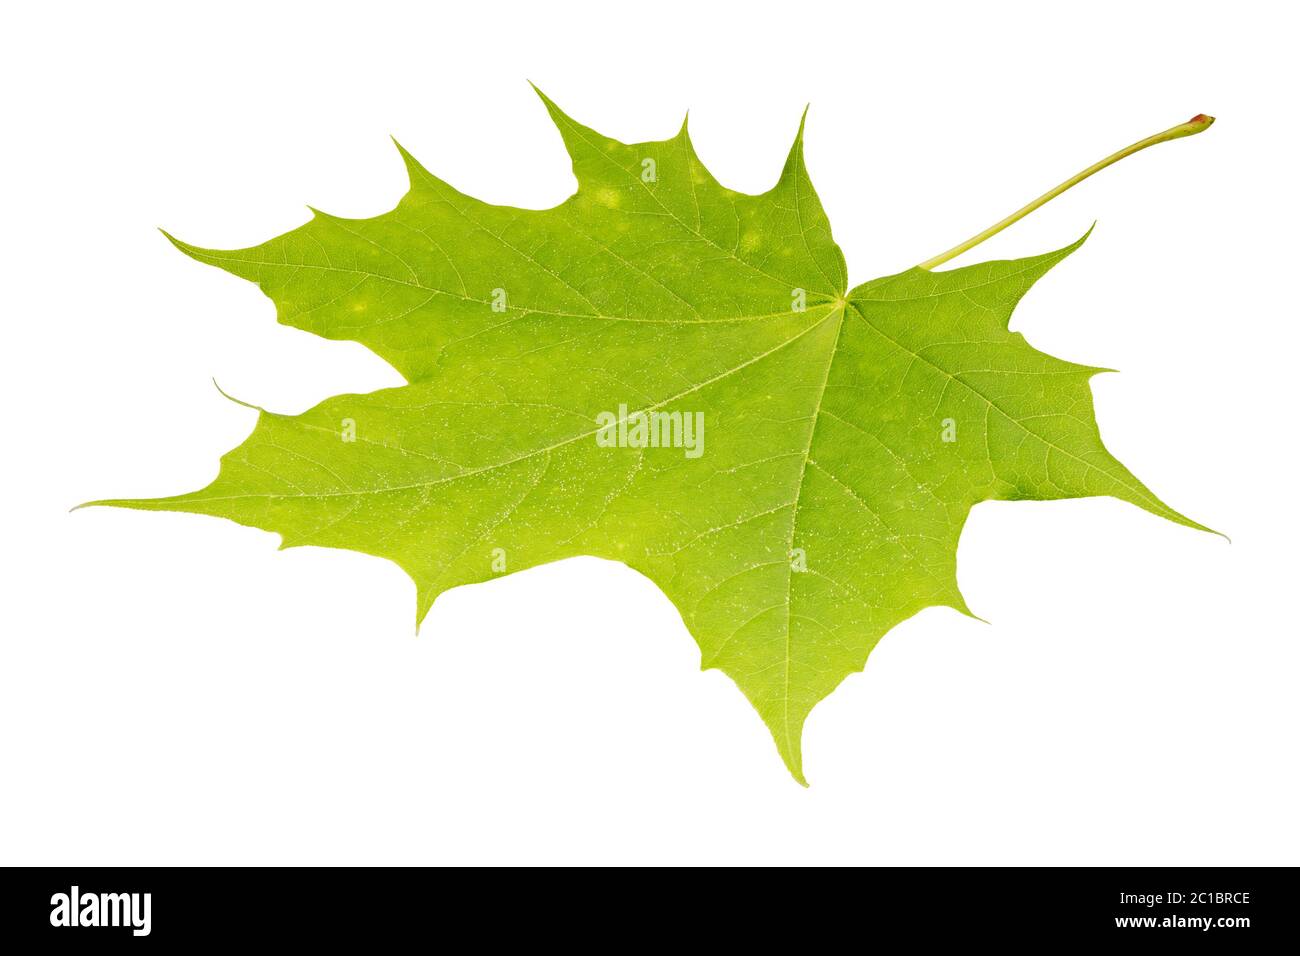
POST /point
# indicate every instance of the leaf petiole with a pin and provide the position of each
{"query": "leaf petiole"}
(1196, 124)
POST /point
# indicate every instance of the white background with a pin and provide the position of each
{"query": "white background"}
(174, 690)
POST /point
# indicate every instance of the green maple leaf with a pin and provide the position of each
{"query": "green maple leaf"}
(820, 446)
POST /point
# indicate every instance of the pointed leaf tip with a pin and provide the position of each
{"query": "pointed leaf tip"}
(402, 150)
(558, 116)
(408, 161)
(798, 135)
(795, 766)
(194, 252)
(1074, 246)
(238, 401)
(550, 103)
